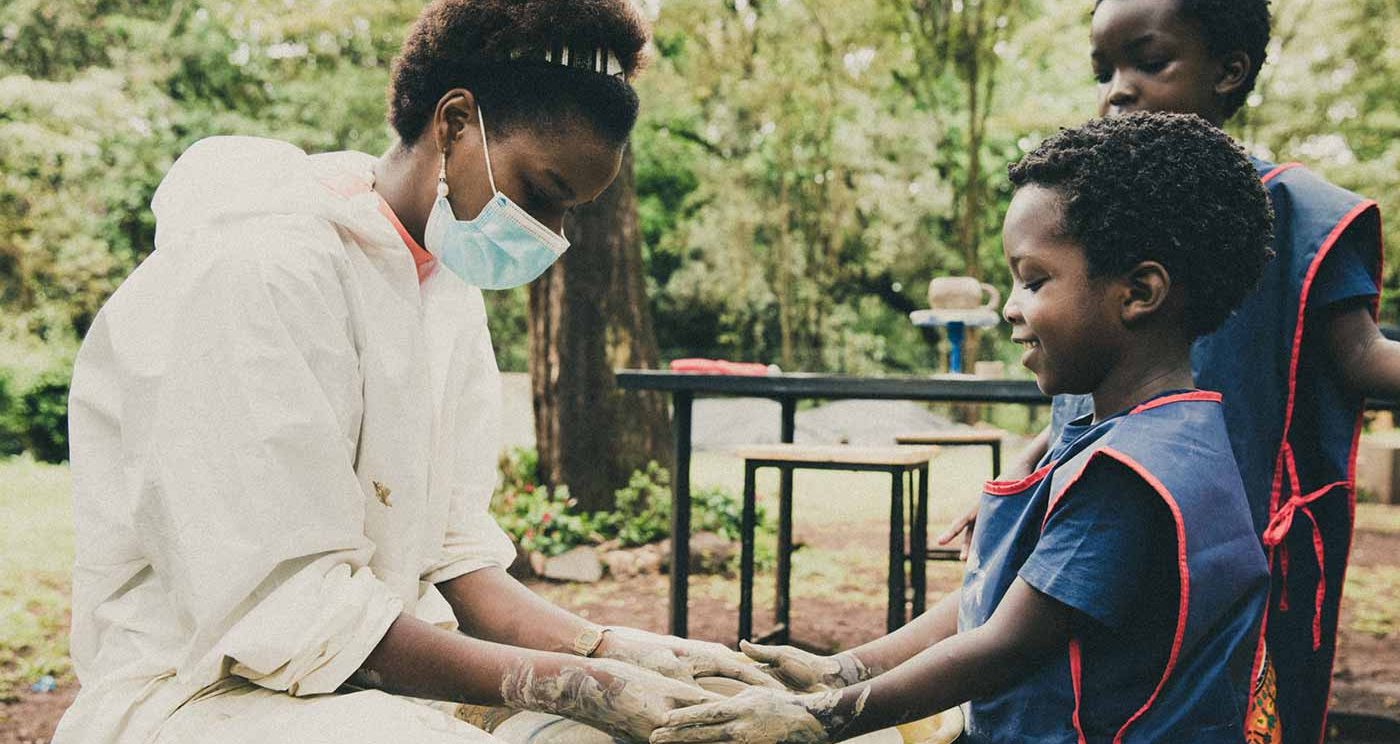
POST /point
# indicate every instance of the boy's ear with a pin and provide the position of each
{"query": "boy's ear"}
(1234, 70)
(1147, 285)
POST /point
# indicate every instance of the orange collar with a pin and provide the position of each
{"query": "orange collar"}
(422, 259)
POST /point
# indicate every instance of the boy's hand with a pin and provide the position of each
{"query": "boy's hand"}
(961, 526)
(755, 716)
(680, 658)
(805, 672)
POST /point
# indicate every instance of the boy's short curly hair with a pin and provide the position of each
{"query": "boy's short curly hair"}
(1161, 187)
(1228, 26)
(478, 45)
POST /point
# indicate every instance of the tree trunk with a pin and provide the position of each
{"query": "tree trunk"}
(589, 315)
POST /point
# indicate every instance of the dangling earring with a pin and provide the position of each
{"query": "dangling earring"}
(442, 176)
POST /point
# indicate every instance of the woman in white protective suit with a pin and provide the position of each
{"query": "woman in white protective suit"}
(283, 423)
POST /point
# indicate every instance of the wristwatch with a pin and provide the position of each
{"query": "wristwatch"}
(587, 642)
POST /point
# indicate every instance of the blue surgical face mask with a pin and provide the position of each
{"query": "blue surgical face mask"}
(503, 247)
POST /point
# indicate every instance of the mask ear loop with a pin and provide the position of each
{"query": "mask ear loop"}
(484, 150)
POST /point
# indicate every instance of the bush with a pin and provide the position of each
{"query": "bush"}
(543, 519)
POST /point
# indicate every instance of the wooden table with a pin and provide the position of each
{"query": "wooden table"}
(787, 389)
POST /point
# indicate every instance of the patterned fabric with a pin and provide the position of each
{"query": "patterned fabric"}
(1263, 727)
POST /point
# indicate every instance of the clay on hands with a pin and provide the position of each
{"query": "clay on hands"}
(756, 716)
(623, 700)
(806, 672)
(680, 658)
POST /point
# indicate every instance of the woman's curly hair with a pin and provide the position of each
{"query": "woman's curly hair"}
(474, 44)
(1161, 187)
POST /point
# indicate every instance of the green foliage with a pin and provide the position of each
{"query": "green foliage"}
(545, 520)
(800, 178)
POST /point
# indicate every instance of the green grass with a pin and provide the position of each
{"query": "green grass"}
(36, 554)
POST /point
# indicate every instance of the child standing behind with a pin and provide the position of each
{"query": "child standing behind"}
(1297, 360)
(1115, 593)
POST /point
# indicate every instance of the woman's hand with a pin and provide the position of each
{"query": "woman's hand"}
(805, 672)
(680, 658)
(755, 716)
(625, 701)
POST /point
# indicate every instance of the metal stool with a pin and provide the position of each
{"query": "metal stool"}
(958, 438)
(899, 462)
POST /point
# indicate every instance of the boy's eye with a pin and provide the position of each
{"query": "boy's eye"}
(1152, 68)
(1033, 285)
(1102, 77)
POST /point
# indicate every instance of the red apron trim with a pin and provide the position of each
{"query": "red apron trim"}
(1183, 571)
(1279, 169)
(1281, 461)
(1076, 676)
(1011, 488)
(1195, 395)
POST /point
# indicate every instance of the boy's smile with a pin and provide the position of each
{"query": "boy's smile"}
(1147, 57)
(1064, 318)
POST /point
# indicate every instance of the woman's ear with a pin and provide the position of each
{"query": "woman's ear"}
(1148, 285)
(1234, 71)
(455, 115)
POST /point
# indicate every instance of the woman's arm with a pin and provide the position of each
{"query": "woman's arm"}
(421, 660)
(489, 604)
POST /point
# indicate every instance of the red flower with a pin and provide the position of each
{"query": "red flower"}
(544, 518)
(529, 534)
(528, 488)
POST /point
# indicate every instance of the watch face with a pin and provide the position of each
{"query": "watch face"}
(588, 642)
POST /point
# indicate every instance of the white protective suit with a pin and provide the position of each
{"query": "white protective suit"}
(280, 441)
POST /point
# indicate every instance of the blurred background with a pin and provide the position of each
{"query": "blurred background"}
(802, 167)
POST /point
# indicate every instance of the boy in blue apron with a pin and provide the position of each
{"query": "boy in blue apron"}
(1297, 361)
(1115, 594)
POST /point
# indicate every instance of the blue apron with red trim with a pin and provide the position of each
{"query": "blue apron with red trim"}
(1294, 432)
(1178, 445)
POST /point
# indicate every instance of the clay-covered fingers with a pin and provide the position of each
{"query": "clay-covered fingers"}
(793, 667)
(755, 716)
(714, 660)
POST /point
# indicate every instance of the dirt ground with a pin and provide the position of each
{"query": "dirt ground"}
(840, 604)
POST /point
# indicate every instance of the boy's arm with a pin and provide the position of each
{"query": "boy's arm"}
(1367, 362)
(1025, 629)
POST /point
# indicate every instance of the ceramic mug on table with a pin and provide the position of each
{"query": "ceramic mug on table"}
(962, 293)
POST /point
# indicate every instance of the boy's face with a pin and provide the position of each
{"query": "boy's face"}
(1067, 322)
(1147, 57)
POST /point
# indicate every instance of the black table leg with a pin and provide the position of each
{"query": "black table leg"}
(680, 517)
(918, 548)
(782, 606)
(996, 459)
(746, 555)
(895, 617)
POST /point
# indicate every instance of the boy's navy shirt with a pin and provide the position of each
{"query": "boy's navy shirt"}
(1109, 549)
(1109, 553)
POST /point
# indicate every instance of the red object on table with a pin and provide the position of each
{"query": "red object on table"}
(719, 367)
